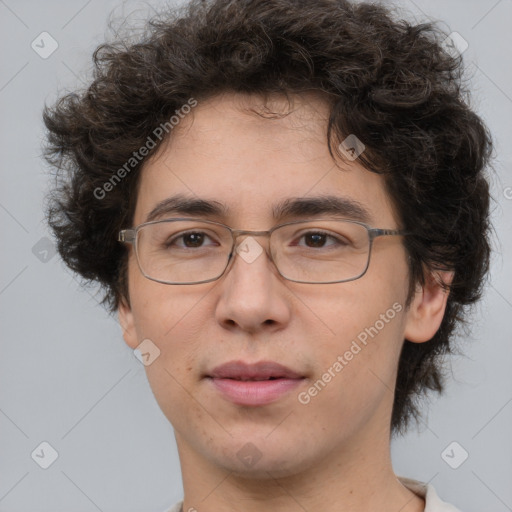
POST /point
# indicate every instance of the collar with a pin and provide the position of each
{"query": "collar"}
(426, 491)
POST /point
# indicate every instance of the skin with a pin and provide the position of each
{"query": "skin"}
(333, 453)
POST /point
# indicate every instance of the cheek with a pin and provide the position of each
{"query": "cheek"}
(356, 373)
(160, 309)
(366, 319)
(176, 327)
(173, 320)
(363, 311)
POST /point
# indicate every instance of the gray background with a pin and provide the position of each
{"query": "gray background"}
(66, 376)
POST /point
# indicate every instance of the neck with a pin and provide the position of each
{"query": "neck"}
(355, 477)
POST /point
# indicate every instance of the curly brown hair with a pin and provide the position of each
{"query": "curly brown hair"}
(387, 80)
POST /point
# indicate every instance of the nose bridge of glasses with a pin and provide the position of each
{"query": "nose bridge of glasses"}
(237, 233)
(247, 247)
(240, 232)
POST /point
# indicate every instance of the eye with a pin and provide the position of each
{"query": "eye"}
(190, 240)
(320, 239)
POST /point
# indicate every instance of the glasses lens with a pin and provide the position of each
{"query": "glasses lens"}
(183, 251)
(321, 251)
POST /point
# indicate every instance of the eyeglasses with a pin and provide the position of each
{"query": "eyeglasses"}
(193, 251)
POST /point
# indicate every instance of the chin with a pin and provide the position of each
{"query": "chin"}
(262, 460)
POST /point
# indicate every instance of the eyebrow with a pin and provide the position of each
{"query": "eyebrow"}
(292, 207)
(186, 206)
(314, 206)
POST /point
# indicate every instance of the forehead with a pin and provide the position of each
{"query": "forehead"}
(251, 155)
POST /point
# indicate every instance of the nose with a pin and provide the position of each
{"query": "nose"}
(253, 296)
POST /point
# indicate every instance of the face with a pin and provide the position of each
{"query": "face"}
(341, 341)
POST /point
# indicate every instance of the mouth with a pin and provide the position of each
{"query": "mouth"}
(247, 379)
(253, 384)
(261, 371)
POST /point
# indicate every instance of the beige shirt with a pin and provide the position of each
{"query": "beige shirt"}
(432, 501)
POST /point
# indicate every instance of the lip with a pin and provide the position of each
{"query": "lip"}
(253, 384)
(251, 371)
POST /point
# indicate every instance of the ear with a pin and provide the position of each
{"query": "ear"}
(127, 324)
(427, 307)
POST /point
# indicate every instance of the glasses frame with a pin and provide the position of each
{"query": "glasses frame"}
(130, 236)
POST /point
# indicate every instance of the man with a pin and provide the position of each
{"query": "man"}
(286, 204)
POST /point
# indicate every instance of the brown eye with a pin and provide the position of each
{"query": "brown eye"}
(315, 239)
(320, 240)
(193, 239)
(190, 240)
